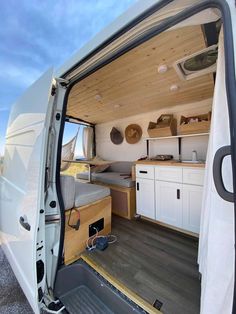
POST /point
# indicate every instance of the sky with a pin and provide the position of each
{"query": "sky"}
(36, 35)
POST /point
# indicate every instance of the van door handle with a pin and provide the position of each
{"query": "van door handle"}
(142, 171)
(24, 223)
(178, 194)
(220, 154)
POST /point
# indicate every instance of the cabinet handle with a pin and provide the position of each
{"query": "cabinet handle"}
(137, 186)
(178, 194)
(142, 171)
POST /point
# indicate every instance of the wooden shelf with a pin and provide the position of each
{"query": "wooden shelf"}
(175, 136)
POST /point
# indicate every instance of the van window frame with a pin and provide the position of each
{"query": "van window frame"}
(223, 7)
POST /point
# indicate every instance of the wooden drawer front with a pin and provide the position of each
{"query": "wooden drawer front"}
(169, 174)
(193, 176)
(145, 172)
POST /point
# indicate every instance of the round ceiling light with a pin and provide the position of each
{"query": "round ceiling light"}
(174, 87)
(98, 97)
(162, 68)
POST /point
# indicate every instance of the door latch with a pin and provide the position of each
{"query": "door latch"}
(24, 223)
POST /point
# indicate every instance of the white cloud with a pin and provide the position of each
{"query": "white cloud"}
(22, 77)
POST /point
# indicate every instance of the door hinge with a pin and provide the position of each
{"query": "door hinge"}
(52, 306)
(62, 81)
(52, 219)
(53, 90)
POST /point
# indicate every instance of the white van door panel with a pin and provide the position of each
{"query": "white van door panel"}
(22, 182)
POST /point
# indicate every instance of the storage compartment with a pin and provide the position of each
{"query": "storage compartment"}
(75, 240)
(170, 174)
(145, 172)
(123, 201)
(145, 196)
(83, 291)
(192, 203)
(195, 124)
(169, 203)
(166, 125)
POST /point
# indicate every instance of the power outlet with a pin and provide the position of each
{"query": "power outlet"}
(96, 226)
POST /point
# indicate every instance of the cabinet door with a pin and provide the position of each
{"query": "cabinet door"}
(169, 203)
(145, 198)
(192, 202)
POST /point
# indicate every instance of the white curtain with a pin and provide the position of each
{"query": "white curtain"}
(216, 246)
(88, 142)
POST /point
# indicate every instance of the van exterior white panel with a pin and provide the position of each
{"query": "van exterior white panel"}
(22, 182)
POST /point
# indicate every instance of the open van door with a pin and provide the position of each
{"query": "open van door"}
(22, 187)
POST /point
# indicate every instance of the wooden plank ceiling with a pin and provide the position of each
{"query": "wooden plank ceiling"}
(131, 84)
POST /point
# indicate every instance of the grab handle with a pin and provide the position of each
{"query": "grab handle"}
(217, 173)
(24, 223)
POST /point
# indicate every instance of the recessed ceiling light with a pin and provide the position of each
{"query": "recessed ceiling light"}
(162, 68)
(98, 97)
(174, 87)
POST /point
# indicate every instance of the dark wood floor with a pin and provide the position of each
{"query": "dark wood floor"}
(154, 262)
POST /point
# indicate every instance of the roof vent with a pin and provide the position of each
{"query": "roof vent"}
(199, 63)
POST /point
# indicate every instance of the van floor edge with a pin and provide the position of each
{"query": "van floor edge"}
(83, 300)
(155, 263)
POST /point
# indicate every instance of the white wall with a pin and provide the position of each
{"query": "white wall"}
(127, 152)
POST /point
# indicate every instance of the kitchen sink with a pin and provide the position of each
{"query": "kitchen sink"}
(193, 162)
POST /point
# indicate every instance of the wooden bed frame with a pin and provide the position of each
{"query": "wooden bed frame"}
(75, 240)
(123, 200)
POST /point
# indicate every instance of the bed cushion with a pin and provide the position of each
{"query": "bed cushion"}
(68, 190)
(121, 166)
(86, 193)
(115, 178)
(83, 175)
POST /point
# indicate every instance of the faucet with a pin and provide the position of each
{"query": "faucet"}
(194, 155)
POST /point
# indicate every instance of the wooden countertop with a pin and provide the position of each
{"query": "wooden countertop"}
(169, 163)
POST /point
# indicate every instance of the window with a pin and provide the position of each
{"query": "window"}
(70, 131)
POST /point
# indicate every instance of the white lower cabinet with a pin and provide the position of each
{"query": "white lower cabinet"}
(145, 198)
(171, 195)
(192, 199)
(169, 203)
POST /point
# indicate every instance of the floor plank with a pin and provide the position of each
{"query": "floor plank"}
(154, 262)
